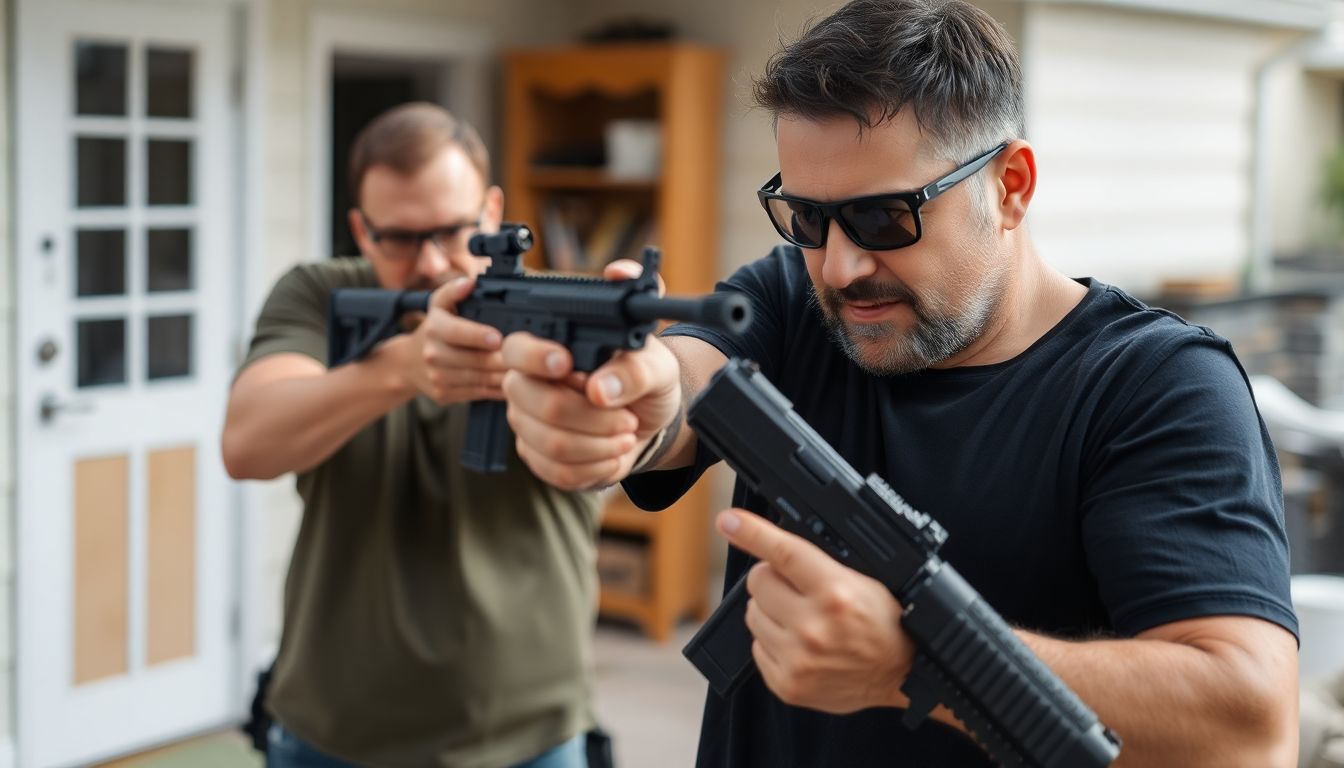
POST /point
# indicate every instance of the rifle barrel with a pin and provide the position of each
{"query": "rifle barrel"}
(727, 311)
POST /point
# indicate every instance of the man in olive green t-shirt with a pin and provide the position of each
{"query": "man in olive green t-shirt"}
(432, 616)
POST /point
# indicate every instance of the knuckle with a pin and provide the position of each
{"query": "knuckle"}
(788, 689)
(567, 477)
(754, 578)
(812, 638)
(554, 445)
(552, 408)
(837, 600)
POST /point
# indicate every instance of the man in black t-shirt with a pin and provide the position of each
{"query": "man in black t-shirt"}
(1099, 465)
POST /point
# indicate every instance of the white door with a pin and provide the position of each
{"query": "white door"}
(127, 257)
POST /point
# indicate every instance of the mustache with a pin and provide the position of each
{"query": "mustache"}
(873, 291)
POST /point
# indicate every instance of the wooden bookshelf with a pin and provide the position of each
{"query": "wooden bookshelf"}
(558, 102)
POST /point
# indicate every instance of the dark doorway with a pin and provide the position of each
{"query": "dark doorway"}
(363, 87)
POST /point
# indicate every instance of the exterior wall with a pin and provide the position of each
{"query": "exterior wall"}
(1298, 148)
(288, 195)
(1143, 125)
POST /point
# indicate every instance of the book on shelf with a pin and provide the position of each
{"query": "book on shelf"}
(581, 234)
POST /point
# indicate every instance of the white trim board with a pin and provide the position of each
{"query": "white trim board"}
(247, 500)
(1290, 14)
(463, 49)
(1325, 52)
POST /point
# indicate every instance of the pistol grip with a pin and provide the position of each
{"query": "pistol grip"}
(488, 434)
(721, 649)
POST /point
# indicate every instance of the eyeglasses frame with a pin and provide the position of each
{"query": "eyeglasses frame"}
(915, 199)
(432, 235)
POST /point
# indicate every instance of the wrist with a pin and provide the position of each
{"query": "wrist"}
(660, 444)
(650, 450)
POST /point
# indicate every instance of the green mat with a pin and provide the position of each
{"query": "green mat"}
(217, 751)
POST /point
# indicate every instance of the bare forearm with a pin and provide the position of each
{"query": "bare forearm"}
(1175, 704)
(294, 422)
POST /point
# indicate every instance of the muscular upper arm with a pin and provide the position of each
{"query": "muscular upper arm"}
(272, 368)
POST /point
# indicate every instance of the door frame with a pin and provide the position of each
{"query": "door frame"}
(464, 52)
(248, 62)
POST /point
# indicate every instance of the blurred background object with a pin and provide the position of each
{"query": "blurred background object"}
(166, 160)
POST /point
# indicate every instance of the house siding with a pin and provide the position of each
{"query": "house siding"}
(1144, 130)
(1298, 149)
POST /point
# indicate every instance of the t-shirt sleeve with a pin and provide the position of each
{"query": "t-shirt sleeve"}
(771, 285)
(768, 284)
(1182, 500)
(293, 319)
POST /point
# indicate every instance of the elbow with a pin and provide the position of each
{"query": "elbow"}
(235, 458)
(1264, 719)
(1271, 730)
(240, 462)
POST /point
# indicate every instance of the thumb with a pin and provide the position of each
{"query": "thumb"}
(629, 269)
(451, 293)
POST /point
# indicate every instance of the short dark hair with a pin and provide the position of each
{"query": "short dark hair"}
(948, 61)
(407, 137)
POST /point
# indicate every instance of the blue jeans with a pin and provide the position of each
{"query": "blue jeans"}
(285, 750)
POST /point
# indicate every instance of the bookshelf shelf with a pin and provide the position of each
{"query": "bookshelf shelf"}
(558, 104)
(584, 179)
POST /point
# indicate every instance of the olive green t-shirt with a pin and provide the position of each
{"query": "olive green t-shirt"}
(432, 616)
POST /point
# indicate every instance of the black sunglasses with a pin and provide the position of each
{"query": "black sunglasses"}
(407, 243)
(874, 222)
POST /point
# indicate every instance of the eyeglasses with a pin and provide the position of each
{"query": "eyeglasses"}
(874, 222)
(406, 244)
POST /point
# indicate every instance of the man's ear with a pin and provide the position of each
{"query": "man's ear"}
(1016, 183)
(493, 211)
(361, 232)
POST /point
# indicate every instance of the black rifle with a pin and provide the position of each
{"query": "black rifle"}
(966, 656)
(592, 317)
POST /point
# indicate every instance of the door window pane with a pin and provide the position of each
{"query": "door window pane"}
(169, 264)
(169, 172)
(168, 75)
(100, 79)
(101, 177)
(100, 268)
(169, 346)
(102, 352)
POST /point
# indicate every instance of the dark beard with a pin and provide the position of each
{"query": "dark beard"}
(935, 337)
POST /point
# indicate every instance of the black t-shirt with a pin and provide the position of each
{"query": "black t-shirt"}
(1113, 477)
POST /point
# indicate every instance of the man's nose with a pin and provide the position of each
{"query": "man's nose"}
(431, 262)
(844, 262)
